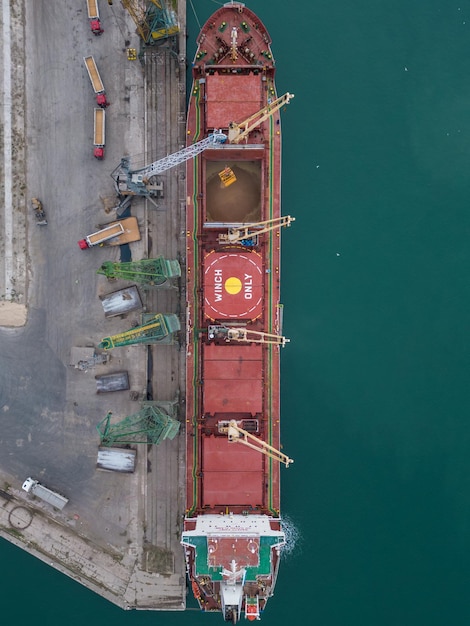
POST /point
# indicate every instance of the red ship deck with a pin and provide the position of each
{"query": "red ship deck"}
(221, 106)
(239, 483)
(234, 286)
(232, 283)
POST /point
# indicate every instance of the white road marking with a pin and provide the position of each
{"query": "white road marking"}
(7, 157)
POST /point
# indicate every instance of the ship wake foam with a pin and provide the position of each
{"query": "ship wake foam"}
(293, 537)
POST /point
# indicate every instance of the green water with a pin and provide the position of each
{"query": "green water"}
(376, 294)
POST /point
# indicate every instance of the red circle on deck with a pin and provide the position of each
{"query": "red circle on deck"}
(233, 285)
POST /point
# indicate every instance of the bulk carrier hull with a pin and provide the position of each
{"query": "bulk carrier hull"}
(232, 533)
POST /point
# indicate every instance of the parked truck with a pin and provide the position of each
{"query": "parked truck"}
(94, 17)
(99, 134)
(114, 234)
(96, 81)
(34, 487)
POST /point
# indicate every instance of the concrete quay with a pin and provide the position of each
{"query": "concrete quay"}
(119, 534)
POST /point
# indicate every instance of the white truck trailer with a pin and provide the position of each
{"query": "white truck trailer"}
(99, 133)
(117, 233)
(96, 81)
(34, 487)
(98, 238)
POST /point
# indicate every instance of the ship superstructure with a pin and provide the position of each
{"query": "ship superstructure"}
(232, 530)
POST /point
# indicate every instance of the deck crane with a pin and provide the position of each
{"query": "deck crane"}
(246, 234)
(238, 132)
(238, 435)
(154, 21)
(244, 335)
(136, 182)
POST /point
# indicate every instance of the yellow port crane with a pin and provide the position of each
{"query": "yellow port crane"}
(154, 21)
(238, 132)
(246, 232)
(238, 435)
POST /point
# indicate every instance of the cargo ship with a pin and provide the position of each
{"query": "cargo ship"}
(232, 535)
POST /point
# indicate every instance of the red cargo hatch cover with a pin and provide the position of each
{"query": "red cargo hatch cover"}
(232, 98)
(233, 379)
(233, 474)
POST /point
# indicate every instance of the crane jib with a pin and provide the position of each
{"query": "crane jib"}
(181, 156)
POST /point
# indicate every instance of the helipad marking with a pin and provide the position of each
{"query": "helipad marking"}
(233, 285)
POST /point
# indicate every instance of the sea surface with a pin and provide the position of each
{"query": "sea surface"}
(375, 387)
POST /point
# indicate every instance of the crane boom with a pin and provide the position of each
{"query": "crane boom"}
(137, 13)
(153, 19)
(179, 157)
(245, 335)
(243, 232)
(237, 132)
(238, 435)
(136, 181)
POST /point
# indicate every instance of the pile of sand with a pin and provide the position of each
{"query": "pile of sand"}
(12, 314)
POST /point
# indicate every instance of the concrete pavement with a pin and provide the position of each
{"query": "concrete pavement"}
(119, 534)
(13, 253)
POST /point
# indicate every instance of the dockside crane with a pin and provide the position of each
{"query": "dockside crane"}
(247, 234)
(238, 435)
(159, 328)
(151, 425)
(130, 181)
(146, 272)
(154, 20)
